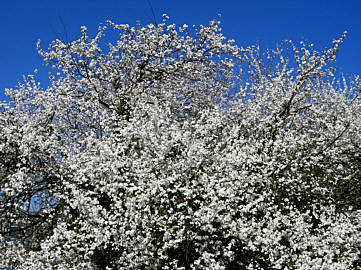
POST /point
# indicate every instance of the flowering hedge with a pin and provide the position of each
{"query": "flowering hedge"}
(173, 148)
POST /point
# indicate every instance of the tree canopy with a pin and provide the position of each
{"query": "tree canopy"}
(174, 148)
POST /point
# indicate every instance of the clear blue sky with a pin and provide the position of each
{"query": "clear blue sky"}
(267, 22)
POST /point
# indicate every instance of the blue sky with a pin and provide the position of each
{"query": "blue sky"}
(266, 22)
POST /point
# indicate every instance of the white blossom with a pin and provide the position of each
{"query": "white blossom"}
(173, 150)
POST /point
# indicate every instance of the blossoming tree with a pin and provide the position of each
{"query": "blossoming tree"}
(173, 148)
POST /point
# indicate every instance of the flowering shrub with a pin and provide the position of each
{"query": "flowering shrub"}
(173, 148)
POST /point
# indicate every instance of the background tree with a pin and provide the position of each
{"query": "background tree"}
(175, 149)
